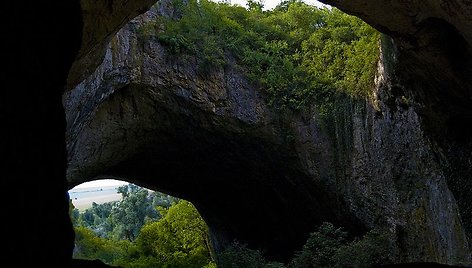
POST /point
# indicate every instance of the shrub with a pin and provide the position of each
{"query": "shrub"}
(294, 52)
(329, 247)
(239, 255)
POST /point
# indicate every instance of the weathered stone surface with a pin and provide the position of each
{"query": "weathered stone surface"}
(269, 178)
(405, 19)
(428, 100)
(430, 70)
(101, 20)
(150, 118)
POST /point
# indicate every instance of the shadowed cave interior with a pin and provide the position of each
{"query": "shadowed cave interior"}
(245, 187)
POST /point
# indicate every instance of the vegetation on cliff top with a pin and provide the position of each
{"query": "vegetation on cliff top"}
(296, 52)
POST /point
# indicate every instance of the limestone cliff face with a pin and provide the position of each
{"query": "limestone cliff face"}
(398, 173)
(405, 19)
(428, 71)
(101, 20)
(268, 178)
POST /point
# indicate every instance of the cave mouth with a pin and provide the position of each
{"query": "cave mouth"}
(247, 188)
(219, 148)
(123, 224)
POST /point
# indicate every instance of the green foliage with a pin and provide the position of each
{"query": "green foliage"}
(321, 247)
(174, 235)
(342, 53)
(90, 246)
(238, 255)
(179, 239)
(131, 212)
(329, 247)
(373, 249)
(123, 219)
(297, 53)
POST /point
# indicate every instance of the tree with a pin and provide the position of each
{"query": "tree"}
(174, 237)
(329, 247)
(239, 255)
(179, 239)
(321, 247)
(255, 5)
(130, 214)
(89, 246)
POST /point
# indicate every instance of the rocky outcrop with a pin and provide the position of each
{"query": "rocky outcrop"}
(431, 71)
(101, 20)
(269, 178)
(406, 20)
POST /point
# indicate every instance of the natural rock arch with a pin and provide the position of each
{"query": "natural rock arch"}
(213, 139)
(34, 124)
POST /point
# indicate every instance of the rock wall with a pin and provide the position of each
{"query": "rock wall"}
(269, 178)
(430, 71)
(425, 98)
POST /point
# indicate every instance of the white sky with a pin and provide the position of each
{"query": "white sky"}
(270, 4)
(100, 183)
